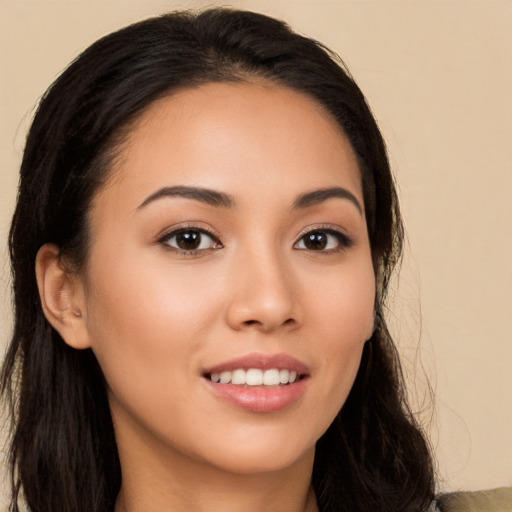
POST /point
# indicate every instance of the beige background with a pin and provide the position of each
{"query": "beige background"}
(438, 75)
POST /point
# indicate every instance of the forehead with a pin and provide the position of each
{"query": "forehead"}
(238, 137)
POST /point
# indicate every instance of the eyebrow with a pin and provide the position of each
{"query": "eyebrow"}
(319, 196)
(211, 197)
(223, 200)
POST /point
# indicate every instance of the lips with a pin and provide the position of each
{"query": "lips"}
(259, 383)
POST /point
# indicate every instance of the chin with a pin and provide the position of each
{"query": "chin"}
(246, 462)
(261, 452)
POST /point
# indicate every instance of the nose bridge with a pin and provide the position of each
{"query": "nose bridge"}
(262, 292)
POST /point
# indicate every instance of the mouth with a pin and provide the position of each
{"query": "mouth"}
(259, 383)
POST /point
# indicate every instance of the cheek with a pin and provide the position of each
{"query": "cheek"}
(342, 303)
(343, 315)
(147, 323)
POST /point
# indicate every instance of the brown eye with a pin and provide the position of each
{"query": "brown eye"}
(323, 240)
(190, 240)
(315, 241)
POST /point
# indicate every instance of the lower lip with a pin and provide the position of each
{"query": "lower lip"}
(260, 399)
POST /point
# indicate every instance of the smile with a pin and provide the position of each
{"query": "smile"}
(259, 383)
(255, 377)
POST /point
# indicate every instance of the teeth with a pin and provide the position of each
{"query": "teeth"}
(284, 376)
(271, 377)
(225, 377)
(238, 377)
(255, 377)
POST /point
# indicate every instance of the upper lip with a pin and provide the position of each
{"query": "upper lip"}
(262, 362)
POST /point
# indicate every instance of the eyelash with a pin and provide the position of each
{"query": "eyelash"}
(344, 242)
(164, 240)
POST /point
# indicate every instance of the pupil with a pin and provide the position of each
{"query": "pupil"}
(188, 241)
(316, 241)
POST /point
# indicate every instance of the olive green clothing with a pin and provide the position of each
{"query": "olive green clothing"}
(494, 500)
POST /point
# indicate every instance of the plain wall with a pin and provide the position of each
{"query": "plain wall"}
(438, 75)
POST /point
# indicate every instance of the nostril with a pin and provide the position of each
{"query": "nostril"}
(268, 326)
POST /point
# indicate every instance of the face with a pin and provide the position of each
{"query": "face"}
(229, 287)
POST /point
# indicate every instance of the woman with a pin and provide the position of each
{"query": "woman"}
(209, 209)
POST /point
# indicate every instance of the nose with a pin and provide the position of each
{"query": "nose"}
(263, 295)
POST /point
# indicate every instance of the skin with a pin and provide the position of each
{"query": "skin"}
(156, 317)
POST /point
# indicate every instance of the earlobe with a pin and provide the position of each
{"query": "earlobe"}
(62, 297)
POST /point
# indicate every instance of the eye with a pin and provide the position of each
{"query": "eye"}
(324, 240)
(190, 240)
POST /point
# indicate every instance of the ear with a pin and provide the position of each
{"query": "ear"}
(62, 297)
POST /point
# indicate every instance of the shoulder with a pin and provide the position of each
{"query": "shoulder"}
(494, 500)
